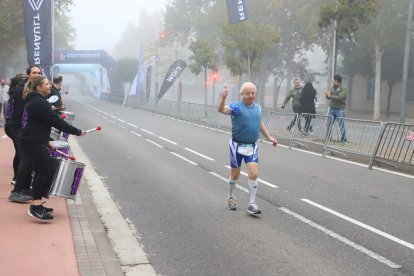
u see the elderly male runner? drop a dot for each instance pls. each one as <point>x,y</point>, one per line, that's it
<point>246,124</point>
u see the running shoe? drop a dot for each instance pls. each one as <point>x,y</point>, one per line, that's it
<point>231,203</point>
<point>49,210</point>
<point>39,212</point>
<point>19,197</point>
<point>253,209</point>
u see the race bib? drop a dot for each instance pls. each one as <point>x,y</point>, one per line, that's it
<point>245,149</point>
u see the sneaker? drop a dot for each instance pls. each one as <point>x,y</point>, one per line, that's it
<point>28,192</point>
<point>39,212</point>
<point>49,210</point>
<point>253,209</point>
<point>13,182</point>
<point>19,197</point>
<point>231,203</point>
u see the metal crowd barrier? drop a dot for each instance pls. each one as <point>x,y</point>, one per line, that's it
<point>360,136</point>
<point>395,146</point>
<point>318,133</point>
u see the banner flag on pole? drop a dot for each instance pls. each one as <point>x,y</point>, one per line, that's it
<point>148,81</point>
<point>237,11</point>
<point>139,75</point>
<point>38,22</point>
<point>172,75</point>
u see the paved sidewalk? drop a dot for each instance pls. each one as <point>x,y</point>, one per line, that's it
<point>74,243</point>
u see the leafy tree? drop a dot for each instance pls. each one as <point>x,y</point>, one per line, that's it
<point>12,29</point>
<point>297,24</point>
<point>246,42</point>
<point>185,20</point>
<point>204,57</point>
<point>348,16</point>
<point>385,32</point>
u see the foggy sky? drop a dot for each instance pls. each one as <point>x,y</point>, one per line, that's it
<point>100,23</point>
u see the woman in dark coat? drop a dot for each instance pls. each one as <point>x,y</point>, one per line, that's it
<point>307,105</point>
<point>37,122</point>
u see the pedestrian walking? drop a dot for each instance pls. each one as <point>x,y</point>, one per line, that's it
<point>307,106</point>
<point>294,94</point>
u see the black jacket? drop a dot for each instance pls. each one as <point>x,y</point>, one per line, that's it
<point>15,107</point>
<point>55,92</point>
<point>307,101</point>
<point>38,120</point>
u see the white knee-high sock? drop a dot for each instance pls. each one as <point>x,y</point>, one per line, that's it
<point>252,190</point>
<point>232,187</point>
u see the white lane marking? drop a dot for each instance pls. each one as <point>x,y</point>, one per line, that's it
<point>183,158</point>
<point>227,180</point>
<point>137,134</point>
<point>132,125</point>
<point>152,142</point>
<point>342,239</point>
<point>106,113</point>
<point>105,117</point>
<point>112,116</point>
<point>326,231</point>
<point>149,132</point>
<point>169,141</point>
<point>122,126</point>
<point>363,225</point>
<point>258,179</point>
<point>121,120</point>
<point>199,154</point>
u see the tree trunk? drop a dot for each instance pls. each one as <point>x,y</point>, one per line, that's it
<point>390,86</point>
<point>377,100</point>
<point>349,96</point>
<point>275,89</point>
<point>205,91</point>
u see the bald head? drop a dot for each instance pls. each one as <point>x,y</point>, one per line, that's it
<point>248,93</point>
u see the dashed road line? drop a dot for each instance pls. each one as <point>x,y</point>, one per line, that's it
<point>132,125</point>
<point>147,131</point>
<point>137,134</point>
<point>363,225</point>
<point>169,141</point>
<point>199,154</point>
<point>227,180</point>
<point>342,239</point>
<point>183,158</point>
<point>154,143</point>
<point>258,179</point>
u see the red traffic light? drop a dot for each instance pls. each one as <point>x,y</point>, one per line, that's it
<point>215,76</point>
<point>162,35</point>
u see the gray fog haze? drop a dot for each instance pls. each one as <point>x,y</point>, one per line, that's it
<point>100,23</point>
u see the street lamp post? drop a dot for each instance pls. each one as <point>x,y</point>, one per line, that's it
<point>406,61</point>
<point>156,70</point>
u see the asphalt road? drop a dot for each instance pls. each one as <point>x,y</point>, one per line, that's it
<point>320,216</point>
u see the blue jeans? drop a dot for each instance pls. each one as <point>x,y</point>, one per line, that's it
<point>337,113</point>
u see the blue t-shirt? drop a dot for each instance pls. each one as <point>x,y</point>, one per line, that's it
<point>245,122</point>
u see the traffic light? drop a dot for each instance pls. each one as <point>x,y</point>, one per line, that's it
<point>215,76</point>
<point>162,39</point>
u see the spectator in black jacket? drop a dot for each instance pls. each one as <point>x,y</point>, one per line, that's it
<point>307,105</point>
<point>21,191</point>
<point>37,122</point>
<point>57,106</point>
<point>14,84</point>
